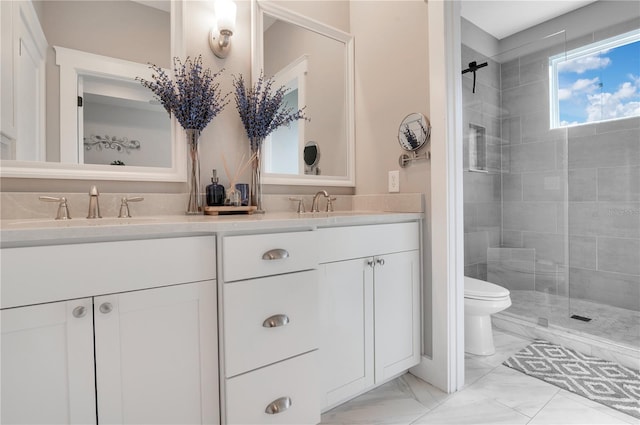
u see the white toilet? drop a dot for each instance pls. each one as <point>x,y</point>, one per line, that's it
<point>481,300</point>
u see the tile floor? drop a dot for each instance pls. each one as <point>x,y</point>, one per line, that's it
<point>493,394</point>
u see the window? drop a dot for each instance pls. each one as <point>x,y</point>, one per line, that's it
<point>597,82</point>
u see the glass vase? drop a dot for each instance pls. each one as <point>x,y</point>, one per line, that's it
<point>194,205</point>
<point>256,179</point>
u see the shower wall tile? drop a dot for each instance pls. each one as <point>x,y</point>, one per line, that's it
<point>511,239</point>
<point>549,248</point>
<point>620,148</point>
<point>470,221</point>
<point>533,157</point>
<point>511,130</point>
<point>512,187</point>
<point>525,99</point>
<point>609,219</point>
<point>546,186</point>
<point>615,289</point>
<point>619,184</point>
<point>583,184</point>
<point>534,67</point>
<point>535,128</point>
<point>581,131</point>
<point>529,216</point>
<point>546,278</point>
<point>621,28</point>
<point>475,247</point>
<point>616,125</point>
<point>583,252</point>
<point>489,214</point>
<point>513,275</point>
<point>619,255</point>
<point>481,187</point>
<point>510,74</point>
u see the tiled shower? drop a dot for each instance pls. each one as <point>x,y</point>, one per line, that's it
<point>552,215</point>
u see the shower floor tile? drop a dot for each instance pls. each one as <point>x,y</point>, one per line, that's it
<point>618,325</point>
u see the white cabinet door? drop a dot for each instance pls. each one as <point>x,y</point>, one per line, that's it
<point>156,355</point>
<point>397,313</point>
<point>47,363</point>
<point>346,329</point>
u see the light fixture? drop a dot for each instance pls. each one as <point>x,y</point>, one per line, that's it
<point>225,25</point>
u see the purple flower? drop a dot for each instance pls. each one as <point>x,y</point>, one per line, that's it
<point>193,96</point>
<point>262,110</point>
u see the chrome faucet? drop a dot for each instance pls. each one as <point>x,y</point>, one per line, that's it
<point>63,206</point>
<point>314,205</point>
<point>124,206</point>
<point>94,206</point>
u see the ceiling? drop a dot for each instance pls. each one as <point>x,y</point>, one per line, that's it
<point>502,18</point>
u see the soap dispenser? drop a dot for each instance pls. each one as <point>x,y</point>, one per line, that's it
<point>215,192</point>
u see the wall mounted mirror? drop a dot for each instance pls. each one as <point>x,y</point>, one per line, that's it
<point>315,62</point>
<point>89,118</point>
<point>414,132</point>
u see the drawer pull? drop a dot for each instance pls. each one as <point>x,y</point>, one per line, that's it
<point>275,321</point>
<point>276,254</point>
<point>278,406</point>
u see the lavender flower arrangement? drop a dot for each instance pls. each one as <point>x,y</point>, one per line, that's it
<point>193,96</point>
<point>262,110</point>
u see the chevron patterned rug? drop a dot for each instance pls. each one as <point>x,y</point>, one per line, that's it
<point>599,380</point>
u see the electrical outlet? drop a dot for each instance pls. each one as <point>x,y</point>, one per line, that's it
<point>394,181</point>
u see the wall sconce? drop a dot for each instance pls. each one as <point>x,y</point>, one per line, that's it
<point>225,25</point>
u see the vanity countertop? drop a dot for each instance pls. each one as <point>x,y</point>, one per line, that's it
<point>31,232</point>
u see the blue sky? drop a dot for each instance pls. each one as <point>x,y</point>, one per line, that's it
<point>601,86</point>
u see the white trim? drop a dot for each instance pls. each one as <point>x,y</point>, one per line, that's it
<point>258,8</point>
<point>445,367</point>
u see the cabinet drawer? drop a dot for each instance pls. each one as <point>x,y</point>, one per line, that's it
<point>40,274</point>
<point>249,395</point>
<point>248,256</point>
<point>249,342</point>
<point>344,243</point>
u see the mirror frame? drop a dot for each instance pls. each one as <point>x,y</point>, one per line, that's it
<point>258,9</point>
<point>59,170</point>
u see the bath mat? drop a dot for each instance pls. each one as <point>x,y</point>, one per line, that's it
<point>599,380</point>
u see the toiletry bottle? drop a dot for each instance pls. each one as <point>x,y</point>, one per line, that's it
<point>215,192</point>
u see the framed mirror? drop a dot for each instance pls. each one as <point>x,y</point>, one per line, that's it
<point>315,62</point>
<point>90,118</point>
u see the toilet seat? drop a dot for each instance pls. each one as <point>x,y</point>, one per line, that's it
<point>480,290</point>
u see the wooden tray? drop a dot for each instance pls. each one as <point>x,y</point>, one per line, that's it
<point>229,210</point>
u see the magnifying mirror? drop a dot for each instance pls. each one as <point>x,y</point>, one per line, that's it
<point>414,132</point>
<point>311,158</point>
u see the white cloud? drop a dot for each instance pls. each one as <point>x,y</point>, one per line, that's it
<point>584,64</point>
<point>625,102</point>
<point>582,85</point>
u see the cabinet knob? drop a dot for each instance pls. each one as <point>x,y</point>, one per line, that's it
<point>79,311</point>
<point>275,254</point>
<point>380,261</point>
<point>370,263</point>
<point>275,321</point>
<point>278,406</point>
<point>106,308</point>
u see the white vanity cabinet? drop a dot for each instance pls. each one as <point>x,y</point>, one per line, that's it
<point>269,328</point>
<point>143,355</point>
<point>369,307</point>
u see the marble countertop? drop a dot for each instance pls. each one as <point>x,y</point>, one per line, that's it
<point>32,232</point>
